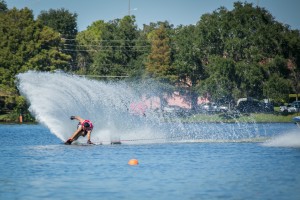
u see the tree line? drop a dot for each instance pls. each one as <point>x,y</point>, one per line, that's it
<point>226,55</point>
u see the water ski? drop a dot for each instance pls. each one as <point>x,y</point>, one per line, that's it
<point>86,144</point>
<point>68,142</point>
<point>81,144</point>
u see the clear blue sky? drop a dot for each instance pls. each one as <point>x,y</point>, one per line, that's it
<point>177,12</point>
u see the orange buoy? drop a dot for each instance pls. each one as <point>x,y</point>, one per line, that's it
<point>133,162</point>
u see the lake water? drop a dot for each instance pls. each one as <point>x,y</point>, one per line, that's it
<point>35,164</point>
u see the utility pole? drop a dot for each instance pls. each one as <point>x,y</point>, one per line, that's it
<point>129,7</point>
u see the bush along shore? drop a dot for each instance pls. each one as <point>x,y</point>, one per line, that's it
<point>16,118</point>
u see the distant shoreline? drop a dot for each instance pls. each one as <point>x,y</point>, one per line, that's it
<point>207,118</point>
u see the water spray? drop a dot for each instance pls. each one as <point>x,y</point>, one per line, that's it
<point>120,111</point>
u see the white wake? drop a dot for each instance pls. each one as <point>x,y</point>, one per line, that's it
<point>54,97</point>
<point>291,139</point>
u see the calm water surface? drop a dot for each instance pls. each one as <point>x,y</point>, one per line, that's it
<point>35,164</point>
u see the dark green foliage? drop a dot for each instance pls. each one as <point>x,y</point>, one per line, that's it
<point>228,55</point>
<point>3,6</point>
<point>111,48</point>
<point>25,44</point>
<point>65,23</point>
<point>258,45</point>
<point>60,20</point>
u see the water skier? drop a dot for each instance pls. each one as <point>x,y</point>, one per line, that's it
<point>84,128</point>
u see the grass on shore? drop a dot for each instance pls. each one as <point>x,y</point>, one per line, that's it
<point>251,118</point>
<point>7,118</point>
<point>4,117</point>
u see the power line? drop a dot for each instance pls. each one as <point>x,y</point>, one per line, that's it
<point>103,50</point>
<point>80,45</point>
<point>104,64</point>
<point>99,76</point>
<point>119,40</point>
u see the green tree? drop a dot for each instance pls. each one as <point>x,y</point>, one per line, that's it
<point>159,64</point>
<point>295,81</point>
<point>253,34</point>
<point>142,48</point>
<point>187,63</point>
<point>221,82</point>
<point>88,44</point>
<point>116,48</point>
<point>252,39</point>
<point>65,23</point>
<point>125,49</point>
<point>276,88</point>
<point>3,6</point>
<point>212,30</point>
<point>26,44</point>
<point>277,65</point>
<point>61,20</point>
<point>103,61</point>
<point>292,46</point>
<point>250,78</point>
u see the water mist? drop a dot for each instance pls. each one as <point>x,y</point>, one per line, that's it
<point>54,97</point>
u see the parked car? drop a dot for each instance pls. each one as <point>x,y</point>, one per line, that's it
<point>249,105</point>
<point>286,108</point>
<point>213,107</point>
<point>167,109</point>
<point>296,104</point>
<point>210,107</point>
<point>267,107</point>
<point>223,108</point>
<point>295,107</point>
<point>176,110</point>
<point>291,108</point>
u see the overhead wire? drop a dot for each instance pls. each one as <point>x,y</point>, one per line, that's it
<point>119,40</point>
<point>102,50</point>
<point>80,45</point>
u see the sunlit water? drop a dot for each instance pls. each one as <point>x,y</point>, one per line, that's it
<point>176,160</point>
<point>35,164</point>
